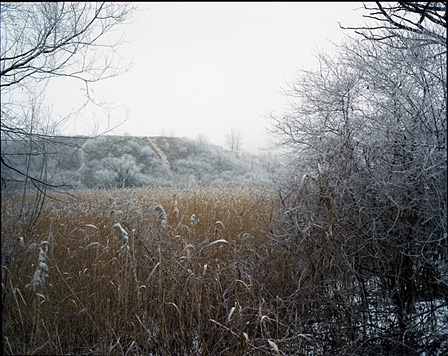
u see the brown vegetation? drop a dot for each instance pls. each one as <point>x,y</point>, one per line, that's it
<point>215,271</point>
<point>212,286</point>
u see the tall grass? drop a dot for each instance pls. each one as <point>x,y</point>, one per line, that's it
<point>196,272</point>
<point>130,272</point>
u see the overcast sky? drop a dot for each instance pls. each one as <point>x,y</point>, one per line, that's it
<point>204,68</point>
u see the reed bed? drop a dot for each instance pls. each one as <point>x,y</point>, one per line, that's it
<point>148,272</point>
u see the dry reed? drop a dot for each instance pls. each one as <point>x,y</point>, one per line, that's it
<point>201,279</point>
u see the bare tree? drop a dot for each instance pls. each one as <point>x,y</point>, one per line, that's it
<point>41,41</point>
<point>426,19</point>
<point>44,40</point>
<point>365,202</point>
<point>234,140</point>
<point>122,171</point>
<point>203,140</point>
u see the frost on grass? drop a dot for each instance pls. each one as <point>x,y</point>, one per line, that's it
<point>40,274</point>
<point>161,214</point>
<point>176,209</point>
<point>124,235</point>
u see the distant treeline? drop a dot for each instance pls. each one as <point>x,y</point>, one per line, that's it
<point>126,161</point>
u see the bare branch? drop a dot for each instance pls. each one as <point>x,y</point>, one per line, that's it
<point>425,19</point>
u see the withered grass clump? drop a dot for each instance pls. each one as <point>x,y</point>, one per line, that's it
<point>127,274</point>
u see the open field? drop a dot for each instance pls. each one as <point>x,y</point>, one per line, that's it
<point>144,272</point>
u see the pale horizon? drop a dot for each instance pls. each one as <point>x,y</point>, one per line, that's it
<point>206,68</point>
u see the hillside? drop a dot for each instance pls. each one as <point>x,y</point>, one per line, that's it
<point>130,161</point>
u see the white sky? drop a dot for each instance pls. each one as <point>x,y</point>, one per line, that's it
<point>205,68</point>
